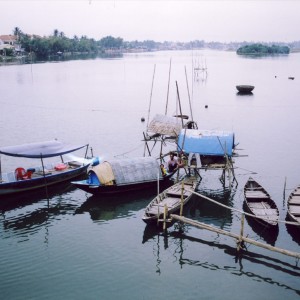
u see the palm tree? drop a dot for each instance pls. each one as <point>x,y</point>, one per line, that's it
<point>55,32</point>
<point>17,32</point>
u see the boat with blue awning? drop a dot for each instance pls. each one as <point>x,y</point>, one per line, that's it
<point>21,179</point>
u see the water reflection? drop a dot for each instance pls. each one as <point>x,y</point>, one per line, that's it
<point>209,212</point>
<point>112,207</point>
<point>29,215</point>
<point>294,232</point>
<point>179,244</point>
<point>20,200</point>
<point>244,94</point>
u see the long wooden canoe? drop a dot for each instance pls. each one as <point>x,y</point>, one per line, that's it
<point>172,197</point>
<point>294,205</point>
<point>259,203</point>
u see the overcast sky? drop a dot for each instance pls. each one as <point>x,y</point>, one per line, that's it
<point>209,20</point>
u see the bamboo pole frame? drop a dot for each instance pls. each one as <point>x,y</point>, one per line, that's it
<point>235,236</point>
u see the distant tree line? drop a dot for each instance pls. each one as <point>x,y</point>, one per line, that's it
<point>260,49</point>
<point>59,43</point>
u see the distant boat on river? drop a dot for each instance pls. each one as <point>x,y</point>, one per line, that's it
<point>245,89</point>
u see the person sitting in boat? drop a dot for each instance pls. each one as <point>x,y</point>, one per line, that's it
<point>172,163</point>
<point>182,160</point>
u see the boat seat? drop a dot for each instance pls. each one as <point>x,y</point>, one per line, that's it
<point>265,212</point>
<point>294,200</point>
<point>177,195</point>
<point>255,194</point>
<point>259,205</point>
<point>21,174</point>
<point>294,209</point>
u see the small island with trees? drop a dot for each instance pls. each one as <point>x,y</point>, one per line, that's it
<point>260,49</point>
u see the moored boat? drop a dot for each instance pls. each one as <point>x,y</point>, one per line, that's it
<point>173,197</point>
<point>259,203</point>
<point>245,89</point>
<point>293,204</point>
<point>23,180</point>
<point>123,175</point>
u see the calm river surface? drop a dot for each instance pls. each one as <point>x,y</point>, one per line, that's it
<point>80,247</point>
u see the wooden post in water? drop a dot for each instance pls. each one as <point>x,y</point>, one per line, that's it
<point>240,241</point>
<point>165,216</point>
<point>181,205</point>
<point>284,188</point>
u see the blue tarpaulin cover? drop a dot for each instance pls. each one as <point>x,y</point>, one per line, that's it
<point>206,142</point>
<point>42,149</point>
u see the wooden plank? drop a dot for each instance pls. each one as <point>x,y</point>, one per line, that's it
<point>258,205</point>
<point>294,200</point>
<point>294,209</point>
<point>265,212</point>
<point>257,194</point>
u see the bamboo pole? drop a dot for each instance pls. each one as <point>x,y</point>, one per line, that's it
<point>179,103</point>
<point>168,87</point>
<point>187,85</point>
<point>181,203</point>
<point>150,104</point>
<point>235,236</point>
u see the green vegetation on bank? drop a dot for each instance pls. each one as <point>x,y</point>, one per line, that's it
<point>58,44</point>
<point>260,49</point>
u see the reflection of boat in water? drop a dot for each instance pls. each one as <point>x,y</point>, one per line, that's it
<point>19,200</point>
<point>294,232</point>
<point>245,89</point>
<point>210,212</point>
<point>115,206</point>
<point>32,179</point>
<point>37,211</point>
<point>123,175</point>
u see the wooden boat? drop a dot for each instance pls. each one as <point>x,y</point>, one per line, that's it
<point>293,204</point>
<point>259,203</point>
<point>172,197</point>
<point>244,89</point>
<point>23,180</point>
<point>123,175</point>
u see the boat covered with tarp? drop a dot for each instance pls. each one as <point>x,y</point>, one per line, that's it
<point>123,175</point>
<point>211,146</point>
<point>22,179</point>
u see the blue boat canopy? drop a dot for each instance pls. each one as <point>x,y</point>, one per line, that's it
<point>206,142</point>
<point>40,150</point>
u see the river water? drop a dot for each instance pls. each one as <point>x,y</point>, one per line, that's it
<point>75,246</point>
